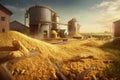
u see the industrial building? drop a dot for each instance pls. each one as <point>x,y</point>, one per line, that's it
<point>17,26</point>
<point>117,28</point>
<point>42,20</point>
<point>73,27</point>
<point>45,22</point>
<point>4,18</point>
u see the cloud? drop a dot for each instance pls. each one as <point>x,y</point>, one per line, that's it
<point>104,4</point>
<point>15,9</point>
<point>110,12</point>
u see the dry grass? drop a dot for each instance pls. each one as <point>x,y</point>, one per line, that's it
<point>112,72</point>
<point>115,43</point>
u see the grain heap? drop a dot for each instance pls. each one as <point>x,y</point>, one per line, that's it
<point>43,61</point>
<point>39,66</point>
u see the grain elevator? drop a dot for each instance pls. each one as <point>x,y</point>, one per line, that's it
<point>45,22</point>
<point>41,20</point>
<point>73,27</point>
<point>116,28</point>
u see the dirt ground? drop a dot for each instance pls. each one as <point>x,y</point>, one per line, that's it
<point>77,60</point>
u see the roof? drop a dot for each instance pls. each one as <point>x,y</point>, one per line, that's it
<point>38,6</point>
<point>118,21</point>
<point>73,20</point>
<point>19,23</point>
<point>7,10</point>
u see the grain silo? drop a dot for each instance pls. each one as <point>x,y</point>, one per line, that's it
<point>56,20</point>
<point>117,28</point>
<point>40,19</point>
<point>72,27</point>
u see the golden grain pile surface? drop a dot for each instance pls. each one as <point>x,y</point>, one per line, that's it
<point>70,58</point>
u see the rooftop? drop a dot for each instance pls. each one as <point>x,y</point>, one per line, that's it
<point>118,21</point>
<point>41,7</point>
<point>7,10</point>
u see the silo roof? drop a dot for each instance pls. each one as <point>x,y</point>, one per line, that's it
<point>42,7</point>
<point>118,21</point>
<point>73,20</point>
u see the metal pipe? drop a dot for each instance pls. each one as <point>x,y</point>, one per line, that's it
<point>53,22</point>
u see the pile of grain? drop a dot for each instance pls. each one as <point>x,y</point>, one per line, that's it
<point>34,67</point>
<point>71,58</point>
<point>45,49</point>
<point>85,54</point>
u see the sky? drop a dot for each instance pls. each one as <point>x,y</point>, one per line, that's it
<point>92,15</point>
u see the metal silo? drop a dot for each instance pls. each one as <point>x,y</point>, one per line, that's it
<point>40,19</point>
<point>37,16</point>
<point>56,20</point>
<point>72,27</point>
<point>117,28</point>
<point>39,13</point>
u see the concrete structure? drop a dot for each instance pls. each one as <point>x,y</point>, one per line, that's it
<point>73,27</point>
<point>17,26</point>
<point>116,28</point>
<point>4,18</point>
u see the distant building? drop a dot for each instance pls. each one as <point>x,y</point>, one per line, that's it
<point>4,18</point>
<point>73,27</point>
<point>55,19</point>
<point>17,26</point>
<point>117,28</point>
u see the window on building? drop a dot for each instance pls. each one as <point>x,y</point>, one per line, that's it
<point>3,30</point>
<point>2,18</point>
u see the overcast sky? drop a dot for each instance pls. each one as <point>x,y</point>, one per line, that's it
<point>92,15</point>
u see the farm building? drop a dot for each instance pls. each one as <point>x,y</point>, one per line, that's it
<point>4,18</point>
<point>117,28</point>
<point>45,22</point>
<point>73,27</point>
<point>17,26</point>
<point>42,20</point>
